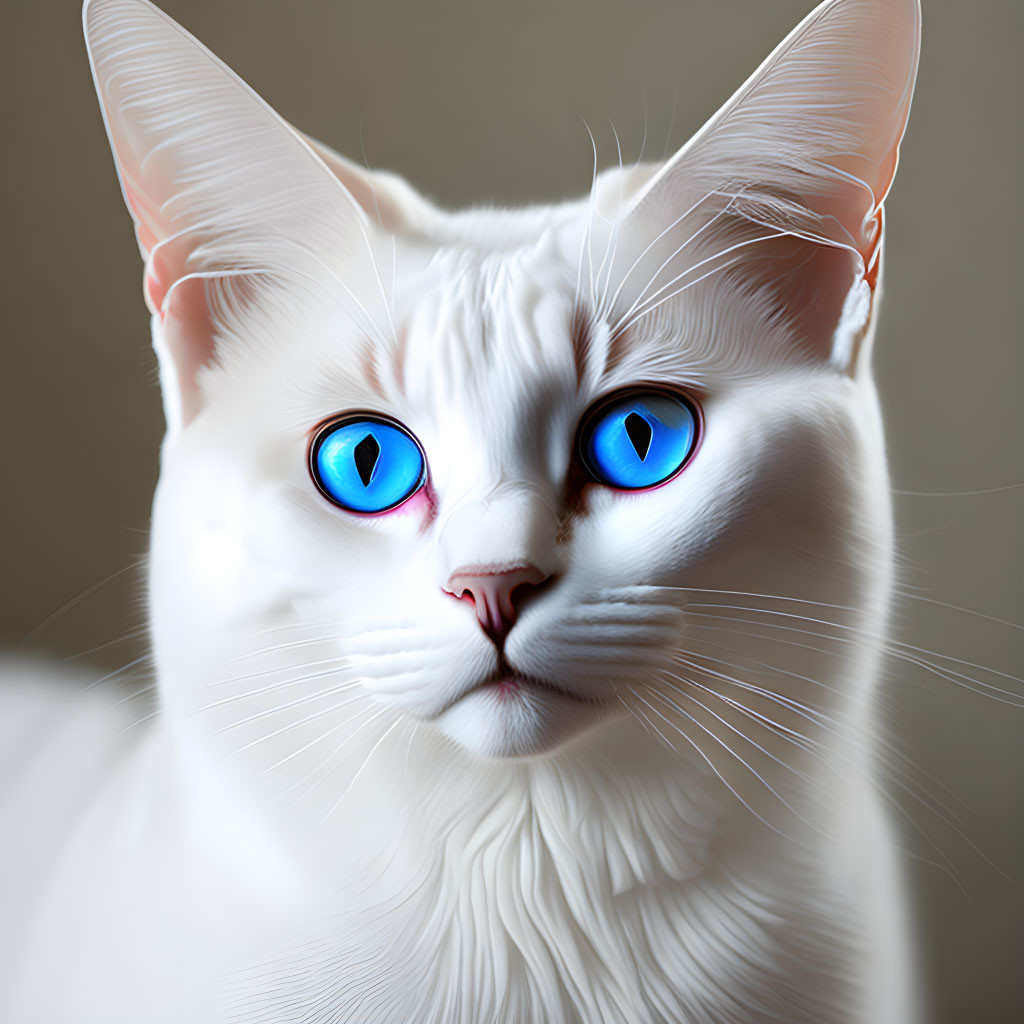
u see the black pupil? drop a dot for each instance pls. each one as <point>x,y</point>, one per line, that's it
<point>640,433</point>
<point>366,454</point>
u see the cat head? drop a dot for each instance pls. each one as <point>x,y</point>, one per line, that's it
<point>508,478</point>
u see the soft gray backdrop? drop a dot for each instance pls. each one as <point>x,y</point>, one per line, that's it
<point>483,101</point>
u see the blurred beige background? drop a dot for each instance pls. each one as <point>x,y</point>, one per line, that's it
<point>482,101</point>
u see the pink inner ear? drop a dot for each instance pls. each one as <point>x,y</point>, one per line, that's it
<point>807,284</point>
<point>147,239</point>
<point>167,263</point>
<point>154,293</point>
<point>187,335</point>
<point>872,263</point>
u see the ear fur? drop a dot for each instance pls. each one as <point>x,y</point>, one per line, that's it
<point>783,187</point>
<point>227,199</point>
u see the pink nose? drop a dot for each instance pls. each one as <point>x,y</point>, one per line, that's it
<point>494,592</point>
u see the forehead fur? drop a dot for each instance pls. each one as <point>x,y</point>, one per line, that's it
<point>517,317</point>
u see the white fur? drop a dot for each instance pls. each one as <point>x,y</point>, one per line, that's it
<point>327,821</point>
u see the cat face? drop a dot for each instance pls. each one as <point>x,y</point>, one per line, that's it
<point>512,587</point>
<point>487,379</point>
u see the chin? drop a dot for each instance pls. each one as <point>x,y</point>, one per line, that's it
<point>509,720</point>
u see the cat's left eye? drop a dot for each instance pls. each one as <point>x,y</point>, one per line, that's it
<point>638,438</point>
<point>366,463</point>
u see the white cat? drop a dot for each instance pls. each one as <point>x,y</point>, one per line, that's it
<point>482,559</point>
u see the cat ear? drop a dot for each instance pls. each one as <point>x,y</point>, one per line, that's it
<point>228,200</point>
<point>783,187</point>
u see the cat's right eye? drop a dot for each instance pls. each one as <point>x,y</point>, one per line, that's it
<point>366,463</point>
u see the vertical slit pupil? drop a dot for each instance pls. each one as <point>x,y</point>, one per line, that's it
<point>366,453</point>
<point>640,433</point>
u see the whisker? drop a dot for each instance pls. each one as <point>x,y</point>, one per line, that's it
<point>814,715</point>
<point>339,660</point>
<point>281,684</point>
<point>387,732</point>
<point>119,671</point>
<point>793,736</point>
<point>298,723</point>
<point>59,613</point>
<point>293,626</point>
<point>747,712</point>
<point>131,634</point>
<point>637,711</point>
<point>305,699</point>
<point>903,591</point>
<point>643,723</point>
<point>718,739</point>
<point>894,648</point>
<point>693,743</point>
<point>142,691</point>
<point>896,759</point>
<point>956,494</point>
<point>318,739</point>
<point>766,597</point>
<point>290,645</point>
<point>344,746</point>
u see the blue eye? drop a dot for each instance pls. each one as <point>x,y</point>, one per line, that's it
<point>366,463</point>
<point>637,439</point>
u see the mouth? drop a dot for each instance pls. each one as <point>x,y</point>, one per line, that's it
<point>507,684</point>
<point>511,714</point>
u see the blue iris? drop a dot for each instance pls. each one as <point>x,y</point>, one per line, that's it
<point>638,438</point>
<point>367,465</point>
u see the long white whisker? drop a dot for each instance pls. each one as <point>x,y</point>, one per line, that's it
<point>387,732</point>
<point>297,702</point>
<point>119,671</point>
<point>298,723</point>
<point>747,712</point>
<point>338,662</point>
<point>290,645</point>
<point>812,714</point>
<point>718,739</point>
<point>130,634</point>
<point>645,725</point>
<point>693,743</point>
<point>894,648</point>
<point>68,606</point>
<point>904,593</point>
<point>893,758</point>
<point>322,770</point>
<point>322,736</point>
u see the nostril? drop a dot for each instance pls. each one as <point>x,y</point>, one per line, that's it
<point>522,590</point>
<point>495,593</point>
